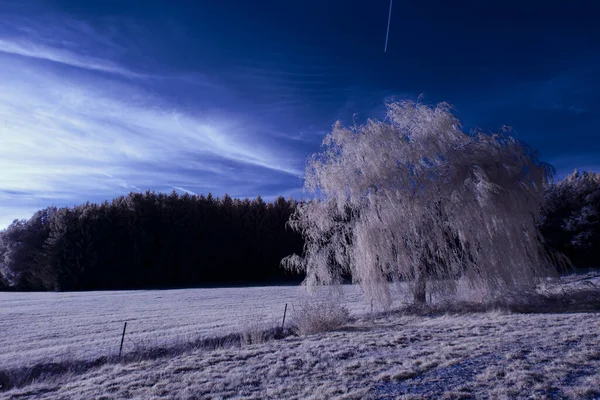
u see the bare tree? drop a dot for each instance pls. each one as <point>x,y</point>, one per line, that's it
<point>415,199</point>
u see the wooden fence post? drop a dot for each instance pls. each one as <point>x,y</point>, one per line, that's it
<point>284,313</point>
<point>122,339</point>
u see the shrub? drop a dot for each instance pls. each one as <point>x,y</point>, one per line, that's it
<point>319,316</point>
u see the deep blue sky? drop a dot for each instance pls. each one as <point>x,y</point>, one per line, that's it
<point>100,98</point>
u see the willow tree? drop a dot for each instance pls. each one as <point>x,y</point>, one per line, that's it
<point>415,199</point>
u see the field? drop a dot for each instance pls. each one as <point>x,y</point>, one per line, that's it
<point>491,354</point>
<point>52,327</point>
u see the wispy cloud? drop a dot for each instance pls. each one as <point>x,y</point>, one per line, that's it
<point>184,190</point>
<point>67,139</point>
<point>28,49</point>
<point>94,108</point>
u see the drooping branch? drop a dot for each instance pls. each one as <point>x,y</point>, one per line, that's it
<point>427,201</point>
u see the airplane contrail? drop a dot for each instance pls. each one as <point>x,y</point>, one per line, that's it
<point>387,35</point>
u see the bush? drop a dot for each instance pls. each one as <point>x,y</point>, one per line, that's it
<point>319,316</point>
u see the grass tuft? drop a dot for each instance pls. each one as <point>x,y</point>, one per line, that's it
<point>319,316</point>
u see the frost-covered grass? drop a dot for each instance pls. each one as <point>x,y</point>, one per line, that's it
<point>55,327</point>
<point>486,355</point>
<point>492,354</point>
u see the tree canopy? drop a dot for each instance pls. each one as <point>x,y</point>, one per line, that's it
<point>414,198</point>
<point>571,218</point>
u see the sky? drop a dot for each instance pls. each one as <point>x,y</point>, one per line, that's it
<point>101,98</point>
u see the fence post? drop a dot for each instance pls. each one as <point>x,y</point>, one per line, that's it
<point>122,339</point>
<point>284,313</point>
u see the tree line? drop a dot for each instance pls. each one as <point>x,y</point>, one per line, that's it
<point>158,240</point>
<point>571,218</point>
<point>150,240</point>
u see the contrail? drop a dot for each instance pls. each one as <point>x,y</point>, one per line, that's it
<point>387,35</point>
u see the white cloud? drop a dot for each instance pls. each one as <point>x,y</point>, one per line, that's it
<point>180,189</point>
<point>25,48</point>
<point>71,138</point>
<point>81,119</point>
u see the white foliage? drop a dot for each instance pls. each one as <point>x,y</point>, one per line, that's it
<point>414,198</point>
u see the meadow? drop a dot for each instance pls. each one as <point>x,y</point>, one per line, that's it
<point>53,327</point>
<point>485,353</point>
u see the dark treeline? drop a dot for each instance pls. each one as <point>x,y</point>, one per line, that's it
<point>150,240</point>
<point>571,218</point>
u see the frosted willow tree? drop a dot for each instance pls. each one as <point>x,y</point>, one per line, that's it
<point>417,200</point>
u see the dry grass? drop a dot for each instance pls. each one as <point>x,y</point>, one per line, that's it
<point>257,329</point>
<point>485,355</point>
<point>44,328</point>
<point>441,352</point>
<point>584,300</point>
<point>319,316</point>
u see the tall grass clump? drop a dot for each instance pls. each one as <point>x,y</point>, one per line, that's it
<point>319,316</point>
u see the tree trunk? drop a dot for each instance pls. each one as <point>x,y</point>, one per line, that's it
<point>420,292</point>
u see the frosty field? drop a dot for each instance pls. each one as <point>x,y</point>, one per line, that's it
<point>491,354</point>
<point>478,356</point>
<point>52,327</point>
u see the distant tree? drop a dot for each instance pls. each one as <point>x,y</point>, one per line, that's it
<point>571,218</point>
<point>22,259</point>
<point>3,283</point>
<point>61,248</point>
<point>416,199</point>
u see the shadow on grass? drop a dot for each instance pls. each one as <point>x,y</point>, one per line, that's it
<point>524,302</point>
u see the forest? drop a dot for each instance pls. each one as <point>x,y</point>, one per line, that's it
<point>150,240</point>
<point>157,240</point>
